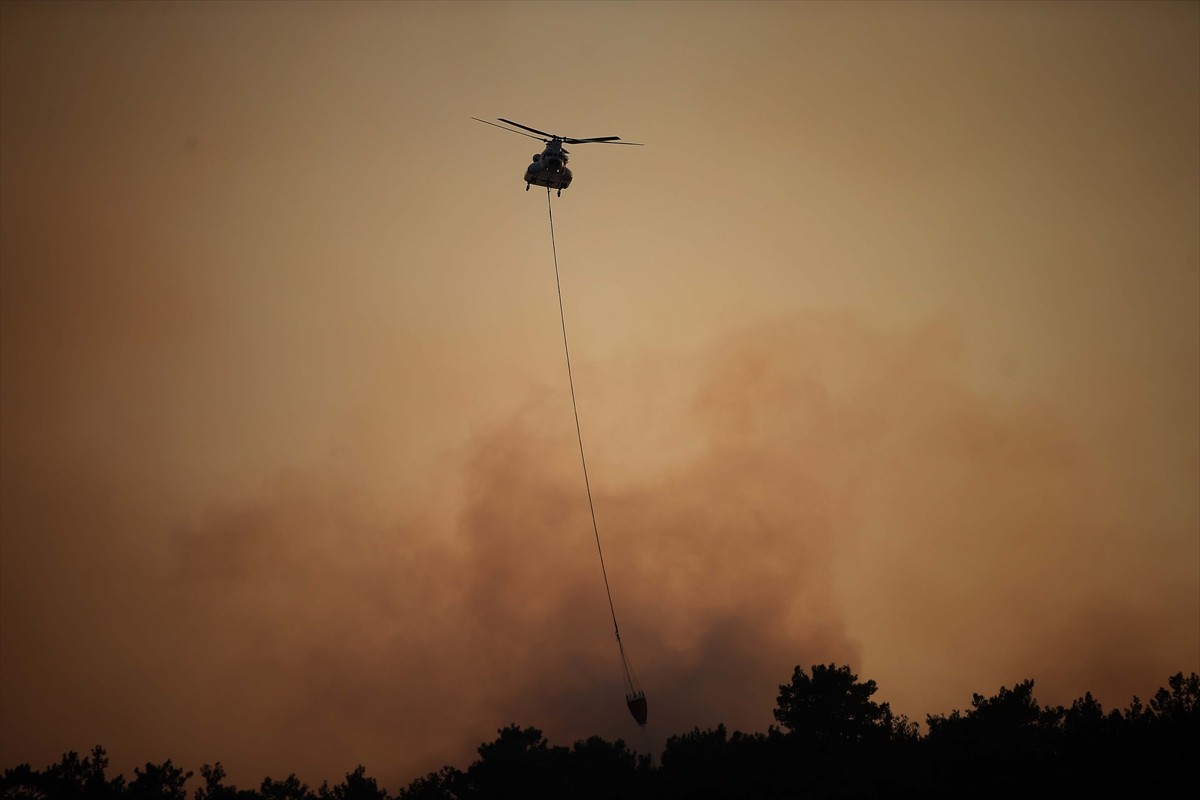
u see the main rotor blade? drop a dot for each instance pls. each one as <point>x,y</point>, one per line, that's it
<point>510,130</point>
<point>526,127</point>
<point>602,140</point>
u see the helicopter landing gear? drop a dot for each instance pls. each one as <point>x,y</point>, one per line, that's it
<point>527,187</point>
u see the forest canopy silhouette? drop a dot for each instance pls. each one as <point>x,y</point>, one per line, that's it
<point>833,740</point>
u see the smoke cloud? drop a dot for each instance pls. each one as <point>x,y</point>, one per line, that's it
<point>825,491</point>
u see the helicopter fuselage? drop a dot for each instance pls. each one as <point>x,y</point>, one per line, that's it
<point>549,167</point>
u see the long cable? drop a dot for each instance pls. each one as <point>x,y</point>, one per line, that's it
<point>582,458</point>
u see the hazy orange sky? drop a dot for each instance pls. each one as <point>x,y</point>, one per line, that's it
<point>887,348</point>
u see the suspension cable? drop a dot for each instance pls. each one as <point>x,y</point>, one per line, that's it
<point>582,458</point>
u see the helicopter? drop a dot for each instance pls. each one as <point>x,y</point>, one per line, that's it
<point>549,167</point>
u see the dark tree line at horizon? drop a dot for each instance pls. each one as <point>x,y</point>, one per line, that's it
<point>832,741</point>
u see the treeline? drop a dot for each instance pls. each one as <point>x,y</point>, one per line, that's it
<point>832,741</point>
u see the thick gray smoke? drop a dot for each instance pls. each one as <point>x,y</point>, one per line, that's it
<point>825,492</point>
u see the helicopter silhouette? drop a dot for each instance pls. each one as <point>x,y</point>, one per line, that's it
<point>549,167</point>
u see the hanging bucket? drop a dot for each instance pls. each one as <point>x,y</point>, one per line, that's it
<point>637,706</point>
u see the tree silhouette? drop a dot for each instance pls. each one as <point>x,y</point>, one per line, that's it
<point>72,778</point>
<point>714,764</point>
<point>1008,737</point>
<point>832,706</point>
<point>215,789</point>
<point>357,786</point>
<point>695,764</point>
<point>290,788</point>
<point>598,769</point>
<point>1180,705</point>
<point>838,743</point>
<point>162,781</point>
<point>1170,737</point>
<point>519,757</point>
<point>434,786</point>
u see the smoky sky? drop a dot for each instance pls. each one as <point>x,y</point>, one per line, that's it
<point>846,497</point>
<point>886,349</point>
